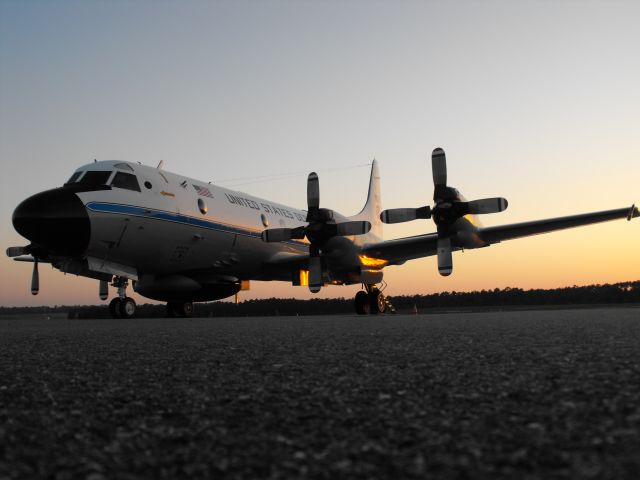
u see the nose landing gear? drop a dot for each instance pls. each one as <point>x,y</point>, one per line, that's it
<point>122,306</point>
<point>372,301</point>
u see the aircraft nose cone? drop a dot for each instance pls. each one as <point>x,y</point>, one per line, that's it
<point>55,220</point>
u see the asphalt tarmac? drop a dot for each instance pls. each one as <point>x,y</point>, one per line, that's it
<point>529,394</point>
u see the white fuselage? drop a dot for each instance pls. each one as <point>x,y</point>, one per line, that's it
<point>179,224</point>
<point>163,228</point>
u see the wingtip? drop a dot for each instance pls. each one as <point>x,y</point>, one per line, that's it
<point>633,212</point>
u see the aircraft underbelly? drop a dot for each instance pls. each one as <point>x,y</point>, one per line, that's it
<point>160,247</point>
<point>156,246</point>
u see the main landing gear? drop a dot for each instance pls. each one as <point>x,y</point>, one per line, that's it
<point>179,309</point>
<point>372,301</point>
<point>122,306</point>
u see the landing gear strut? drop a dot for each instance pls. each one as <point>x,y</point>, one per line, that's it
<point>179,309</point>
<point>122,306</point>
<point>371,301</point>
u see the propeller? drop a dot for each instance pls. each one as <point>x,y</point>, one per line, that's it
<point>18,253</point>
<point>35,279</point>
<point>321,227</point>
<point>103,290</point>
<point>448,208</point>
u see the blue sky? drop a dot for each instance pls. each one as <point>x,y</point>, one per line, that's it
<point>535,101</point>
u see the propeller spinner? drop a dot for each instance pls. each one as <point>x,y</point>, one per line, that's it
<point>321,227</point>
<point>447,210</point>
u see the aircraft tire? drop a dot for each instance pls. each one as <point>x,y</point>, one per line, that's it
<point>114,310</point>
<point>378,305</point>
<point>127,308</point>
<point>186,309</point>
<point>179,309</point>
<point>363,303</point>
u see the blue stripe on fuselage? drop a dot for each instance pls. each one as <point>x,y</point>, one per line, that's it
<point>119,209</point>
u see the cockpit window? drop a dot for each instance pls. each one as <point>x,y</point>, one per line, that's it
<point>95,178</point>
<point>74,177</point>
<point>126,180</point>
<point>124,166</point>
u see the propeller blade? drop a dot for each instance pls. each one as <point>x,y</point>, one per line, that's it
<point>439,167</point>
<point>488,205</point>
<point>400,215</point>
<point>16,251</point>
<point>277,235</point>
<point>315,274</point>
<point>353,228</point>
<point>445,260</point>
<point>103,290</point>
<point>35,279</point>
<point>313,191</point>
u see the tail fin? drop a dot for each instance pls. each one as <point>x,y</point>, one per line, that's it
<point>373,207</point>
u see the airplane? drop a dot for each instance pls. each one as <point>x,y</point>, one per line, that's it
<point>180,240</point>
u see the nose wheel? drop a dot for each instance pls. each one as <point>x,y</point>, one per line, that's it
<point>121,306</point>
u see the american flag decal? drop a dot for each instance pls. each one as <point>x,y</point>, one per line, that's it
<point>203,191</point>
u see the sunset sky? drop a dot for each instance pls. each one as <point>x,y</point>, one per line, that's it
<point>538,102</point>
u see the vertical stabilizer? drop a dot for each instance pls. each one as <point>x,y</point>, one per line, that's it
<point>373,207</point>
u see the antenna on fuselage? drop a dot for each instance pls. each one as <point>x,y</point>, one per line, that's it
<point>160,165</point>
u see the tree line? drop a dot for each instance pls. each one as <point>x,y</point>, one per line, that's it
<point>607,294</point>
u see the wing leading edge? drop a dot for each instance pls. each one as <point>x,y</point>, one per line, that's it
<point>399,251</point>
<point>536,227</point>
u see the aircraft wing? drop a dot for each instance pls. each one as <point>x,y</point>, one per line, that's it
<point>399,251</point>
<point>396,252</point>
<point>536,227</point>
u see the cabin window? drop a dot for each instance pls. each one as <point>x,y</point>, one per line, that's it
<point>124,166</point>
<point>95,178</point>
<point>147,185</point>
<point>74,177</point>
<point>127,181</point>
<point>265,220</point>
<point>202,206</point>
